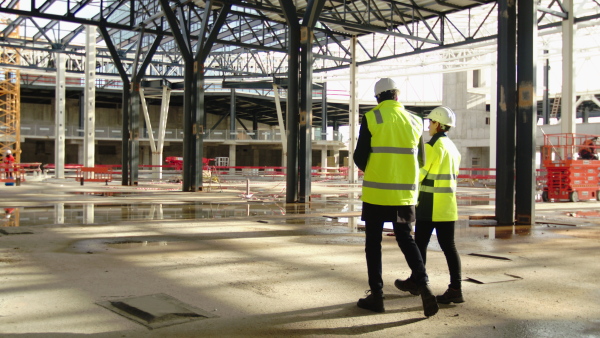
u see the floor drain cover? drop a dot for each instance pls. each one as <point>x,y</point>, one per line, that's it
<point>155,311</point>
<point>15,232</point>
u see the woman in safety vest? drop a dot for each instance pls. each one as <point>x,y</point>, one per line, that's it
<point>437,207</point>
<point>387,152</point>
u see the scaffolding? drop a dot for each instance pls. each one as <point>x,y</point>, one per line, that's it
<point>10,101</point>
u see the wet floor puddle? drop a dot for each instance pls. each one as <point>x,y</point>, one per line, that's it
<point>301,214</point>
<point>584,214</point>
<point>103,213</point>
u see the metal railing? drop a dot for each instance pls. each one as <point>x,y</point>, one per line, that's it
<point>28,130</point>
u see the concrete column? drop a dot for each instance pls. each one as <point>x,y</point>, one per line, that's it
<point>60,116</point>
<point>336,158</point>
<point>281,125</point>
<point>324,160</point>
<point>157,155</point>
<point>354,122</point>
<point>567,114</point>
<point>88,213</point>
<point>232,158</point>
<point>89,125</point>
<point>59,212</point>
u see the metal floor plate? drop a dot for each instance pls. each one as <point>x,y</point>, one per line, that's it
<point>155,311</point>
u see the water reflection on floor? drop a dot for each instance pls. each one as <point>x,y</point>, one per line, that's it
<point>102,213</point>
<point>347,207</point>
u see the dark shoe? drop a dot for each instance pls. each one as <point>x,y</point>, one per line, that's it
<point>407,285</point>
<point>451,296</point>
<point>430,305</point>
<point>373,302</point>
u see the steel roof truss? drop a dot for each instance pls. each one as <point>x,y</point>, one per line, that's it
<point>561,14</point>
<point>52,24</point>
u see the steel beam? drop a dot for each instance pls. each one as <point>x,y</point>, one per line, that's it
<point>289,11</point>
<point>324,112</point>
<point>305,132</point>
<point>505,155</point>
<point>527,113</point>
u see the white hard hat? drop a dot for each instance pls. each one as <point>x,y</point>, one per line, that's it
<point>8,152</point>
<point>443,115</point>
<point>385,84</point>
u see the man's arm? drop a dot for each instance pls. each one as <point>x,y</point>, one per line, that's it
<point>363,146</point>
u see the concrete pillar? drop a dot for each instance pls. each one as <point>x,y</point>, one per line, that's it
<point>354,122</point>
<point>89,125</point>
<point>567,114</point>
<point>336,158</point>
<point>60,116</point>
<point>88,213</point>
<point>59,212</point>
<point>232,158</point>
<point>157,154</point>
<point>324,160</point>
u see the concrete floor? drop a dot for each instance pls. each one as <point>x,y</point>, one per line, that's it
<point>259,267</point>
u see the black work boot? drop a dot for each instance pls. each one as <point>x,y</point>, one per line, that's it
<point>451,296</point>
<point>407,285</point>
<point>373,302</point>
<point>430,305</point>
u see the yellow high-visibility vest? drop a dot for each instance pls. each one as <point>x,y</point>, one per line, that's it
<point>437,197</point>
<point>392,171</point>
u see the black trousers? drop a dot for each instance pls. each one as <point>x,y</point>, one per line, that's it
<point>374,230</point>
<point>445,237</point>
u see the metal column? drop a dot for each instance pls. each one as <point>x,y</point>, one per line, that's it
<point>197,146</point>
<point>305,132</point>
<point>505,155</point>
<point>527,113</point>
<point>134,130</point>
<point>291,192</point>
<point>546,100</point>
<point>60,115</point>
<point>232,115</point>
<point>324,112</point>
<point>125,132</point>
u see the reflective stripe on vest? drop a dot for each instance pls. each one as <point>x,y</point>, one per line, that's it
<point>390,186</point>
<point>439,177</point>
<point>378,116</point>
<point>393,150</point>
<point>437,190</point>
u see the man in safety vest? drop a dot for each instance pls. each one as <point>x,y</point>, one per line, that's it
<point>387,152</point>
<point>9,163</point>
<point>437,208</point>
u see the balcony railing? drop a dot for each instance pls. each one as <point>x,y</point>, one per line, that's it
<point>265,135</point>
